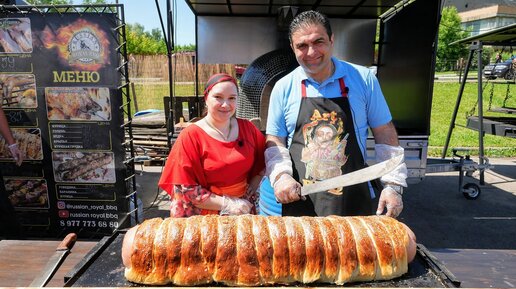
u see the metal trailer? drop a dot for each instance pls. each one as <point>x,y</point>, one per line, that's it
<point>398,39</point>
<point>501,126</point>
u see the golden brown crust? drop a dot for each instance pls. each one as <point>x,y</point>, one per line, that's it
<point>142,257</point>
<point>296,246</point>
<point>400,242</point>
<point>247,260</point>
<point>226,268</point>
<point>264,248</point>
<point>331,250</point>
<point>383,244</point>
<point>255,250</point>
<point>175,236</point>
<point>159,252</point>
<point>193,269</point>
<point>314,246</point>
<point>366,253</point>
<point>348,259</point>
<point>280,249</point>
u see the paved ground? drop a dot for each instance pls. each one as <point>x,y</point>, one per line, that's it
<point>434,208</point>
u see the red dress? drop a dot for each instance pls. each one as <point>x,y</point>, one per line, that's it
<point>197,159</point>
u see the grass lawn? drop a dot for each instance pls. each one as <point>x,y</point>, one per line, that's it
<point>445,95</point>
<point>443,104</point>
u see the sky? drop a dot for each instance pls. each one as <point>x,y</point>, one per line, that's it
<point>145,12</point>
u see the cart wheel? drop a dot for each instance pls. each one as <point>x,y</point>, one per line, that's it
<point>471,191</point>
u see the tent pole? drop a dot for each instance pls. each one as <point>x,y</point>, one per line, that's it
<point>480,115</point>
<point>457,104</point>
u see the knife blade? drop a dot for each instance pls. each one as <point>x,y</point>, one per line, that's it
<point>55,261</point>
<point>360,176</point>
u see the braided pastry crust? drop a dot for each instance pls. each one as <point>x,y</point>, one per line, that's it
<point>254,250</point>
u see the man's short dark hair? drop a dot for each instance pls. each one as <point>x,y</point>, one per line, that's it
<point>309,18</point>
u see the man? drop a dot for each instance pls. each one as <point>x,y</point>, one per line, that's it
<point>327,92</point>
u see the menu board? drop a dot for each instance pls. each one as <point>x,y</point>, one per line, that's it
<point>59,91</point>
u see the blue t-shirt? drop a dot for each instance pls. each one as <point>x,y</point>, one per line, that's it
<point>368,105</point>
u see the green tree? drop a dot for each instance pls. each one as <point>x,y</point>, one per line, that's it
<point>140,41</point>
<point>450,30</point>
<point>86,2</point>
<point>48,2</point>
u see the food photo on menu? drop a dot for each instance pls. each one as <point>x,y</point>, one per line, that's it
<point>29,143</point>
<point>83,167</point>
<point>15,35</point>
<point>18,91</point>
<point>78,103</point>
<point>27,193</point>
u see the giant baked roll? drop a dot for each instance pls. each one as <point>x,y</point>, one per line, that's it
<point>254,250</point>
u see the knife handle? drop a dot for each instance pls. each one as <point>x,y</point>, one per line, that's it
<point>67,242</point>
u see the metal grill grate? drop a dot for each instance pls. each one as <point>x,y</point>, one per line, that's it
<point>262,72</point>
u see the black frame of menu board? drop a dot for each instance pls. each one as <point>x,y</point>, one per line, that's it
<point>64,69</point>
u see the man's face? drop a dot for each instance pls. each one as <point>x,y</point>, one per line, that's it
<point>313,49</point>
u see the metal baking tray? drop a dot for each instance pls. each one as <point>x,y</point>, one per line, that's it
<point>102,267</point>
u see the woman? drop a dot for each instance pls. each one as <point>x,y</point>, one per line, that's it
<point>217,163</point>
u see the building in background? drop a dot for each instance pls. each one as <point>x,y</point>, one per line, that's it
<point>479,16</point>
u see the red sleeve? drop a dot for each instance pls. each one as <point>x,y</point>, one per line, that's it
<point>183,166</point>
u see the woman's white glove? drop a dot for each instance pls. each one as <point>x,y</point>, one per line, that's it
<point>390,200</point>
<point>286,189</point>
<point>235,206</point>
<point>16,153</point>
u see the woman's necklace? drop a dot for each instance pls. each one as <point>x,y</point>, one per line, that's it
<point>225,138</point>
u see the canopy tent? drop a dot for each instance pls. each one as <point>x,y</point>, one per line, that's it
<point>267,8</point>
<point>503,36</point>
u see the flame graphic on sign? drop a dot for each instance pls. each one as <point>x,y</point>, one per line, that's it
<point>63,38</point>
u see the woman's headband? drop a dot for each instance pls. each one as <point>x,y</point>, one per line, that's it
<point>218,78</point>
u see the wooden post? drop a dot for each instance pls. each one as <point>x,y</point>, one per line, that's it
<point>133,91</point>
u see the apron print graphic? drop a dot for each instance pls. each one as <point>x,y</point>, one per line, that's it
<point>325,146</point>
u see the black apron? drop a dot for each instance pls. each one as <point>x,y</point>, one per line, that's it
<point>325,146</point>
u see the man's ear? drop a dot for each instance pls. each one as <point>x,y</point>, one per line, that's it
<point>332,39</point>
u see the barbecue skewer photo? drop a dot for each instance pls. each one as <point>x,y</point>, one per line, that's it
<point>18,91</point>
<point>78,103</point>
<point>83,167</point>
<point>30,193</point>
<point>15,35</point>
<point>29,143</point>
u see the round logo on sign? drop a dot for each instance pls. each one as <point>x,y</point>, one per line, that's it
<point>84,47</point>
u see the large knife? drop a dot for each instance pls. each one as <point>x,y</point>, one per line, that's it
<point>55,261</point>
<point>363,175</point>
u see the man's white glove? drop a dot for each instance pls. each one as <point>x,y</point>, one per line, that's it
<point>399,175</point>
<point>277,160</point>
<point>16,153</point>
<point>390,200</point>
<point>235,206</point>
<point>286,189</point>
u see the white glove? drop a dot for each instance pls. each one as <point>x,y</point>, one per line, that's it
<point>235,206</point>
<point>287,190</point>
<point>16,153</point>
<point>390,200</point>
<point>277,160</point>
<point>399,174</point>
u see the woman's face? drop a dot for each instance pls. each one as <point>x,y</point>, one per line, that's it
<point>221,101</point>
